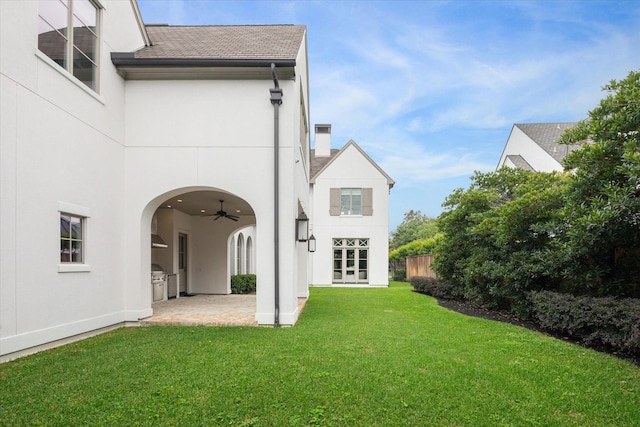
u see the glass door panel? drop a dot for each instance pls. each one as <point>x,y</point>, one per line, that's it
<point>351,265</point>
<point>337,265</point>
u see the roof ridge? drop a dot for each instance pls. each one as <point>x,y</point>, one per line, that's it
<point>544,123</point>
<point>220,25</point>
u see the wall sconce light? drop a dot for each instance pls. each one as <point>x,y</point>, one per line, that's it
<point>302,227</point>
<point>312,243</point>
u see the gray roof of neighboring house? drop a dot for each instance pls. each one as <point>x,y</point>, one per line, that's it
<point>519,162</point>
<point>547,135</point>
<point>267,42</point>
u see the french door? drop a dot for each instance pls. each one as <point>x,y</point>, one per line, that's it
<point>350,260</point>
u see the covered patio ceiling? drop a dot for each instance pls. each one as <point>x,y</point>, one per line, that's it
<point>207,202</point>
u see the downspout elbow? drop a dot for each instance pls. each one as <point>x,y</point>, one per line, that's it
<point>274,76</point>
<point>276,92</point>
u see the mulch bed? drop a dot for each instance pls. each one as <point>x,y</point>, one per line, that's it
<point>471,310</point>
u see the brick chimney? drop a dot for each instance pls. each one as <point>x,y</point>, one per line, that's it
<point>323,140</point>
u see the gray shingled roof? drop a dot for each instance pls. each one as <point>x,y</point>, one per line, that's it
<point>519,162</point>
<point>223,42</point>
<point>547,135</point>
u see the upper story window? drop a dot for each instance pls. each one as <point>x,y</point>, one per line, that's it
<point>351,202</point>
<point>68,33</point>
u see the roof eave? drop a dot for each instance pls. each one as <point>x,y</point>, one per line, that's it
<point>128,59</point>
<point>132,68</point>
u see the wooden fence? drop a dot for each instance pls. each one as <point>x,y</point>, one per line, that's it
<point>419,265</point>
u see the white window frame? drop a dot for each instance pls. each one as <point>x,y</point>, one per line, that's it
<point>80,212</point>
<point>67,70</point>
<point>350,193</point>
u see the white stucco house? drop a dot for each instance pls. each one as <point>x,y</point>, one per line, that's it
<point>128,149</point>
<point>349,195</point>
<point>535,147</point>
<point>113,131</point>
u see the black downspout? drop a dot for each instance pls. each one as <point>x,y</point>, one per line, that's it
<point>276,100</point>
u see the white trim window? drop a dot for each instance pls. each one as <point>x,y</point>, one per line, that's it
<point>351,201</point>
<point>68,33</point>
<point>350,260</point>
<point>72,244</point>
<point>73,238</point>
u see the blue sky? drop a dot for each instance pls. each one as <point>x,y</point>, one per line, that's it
<point>431,89</point>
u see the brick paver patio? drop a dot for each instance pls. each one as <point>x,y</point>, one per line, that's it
<point>209,310</point>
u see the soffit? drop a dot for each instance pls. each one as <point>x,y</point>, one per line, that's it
<point>203,73</point>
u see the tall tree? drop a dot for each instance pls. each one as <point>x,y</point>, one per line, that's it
<point>497,242</point>
<point>603,208</point>
<point>415,226</point>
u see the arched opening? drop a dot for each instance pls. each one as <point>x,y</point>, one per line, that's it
<point>192,244</point>
<point>240,255</point>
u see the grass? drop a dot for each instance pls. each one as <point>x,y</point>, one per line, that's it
<point>357,357</point>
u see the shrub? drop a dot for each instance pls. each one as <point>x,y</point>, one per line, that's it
<point>604,321</point>
<point>419,284</point>
<point>432,286</point>
<point>243,284</point>
<point>400,275</point>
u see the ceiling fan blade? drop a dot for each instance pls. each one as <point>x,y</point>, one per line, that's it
<point>218,217</point>
<point>232,218</point>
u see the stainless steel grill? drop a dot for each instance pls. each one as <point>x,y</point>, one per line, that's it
<point>158,282</point>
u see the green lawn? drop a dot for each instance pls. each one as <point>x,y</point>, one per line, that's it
<point>357,357</point>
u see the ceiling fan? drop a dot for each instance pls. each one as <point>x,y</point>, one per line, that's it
<point>222,214</point>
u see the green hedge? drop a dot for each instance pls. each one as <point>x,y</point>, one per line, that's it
<point>243,284</point>
<point>594,321</point>
<point>432,286</point>
<point>417,247</point>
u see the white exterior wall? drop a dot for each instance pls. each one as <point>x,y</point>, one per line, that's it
<point>218,135</point>
<point>351,170</point>
<point>520,144</point>
<point>118,155</point>
<point>60,143</point>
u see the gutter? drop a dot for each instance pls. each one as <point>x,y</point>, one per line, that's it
<point>276,101</point>
<point>128,59</point>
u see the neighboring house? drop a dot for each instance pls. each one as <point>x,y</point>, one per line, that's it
<point>125,145</point>
<point>349,193</point>
<point>535,147</point>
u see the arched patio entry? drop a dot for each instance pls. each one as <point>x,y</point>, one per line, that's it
<point>190,231</point>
